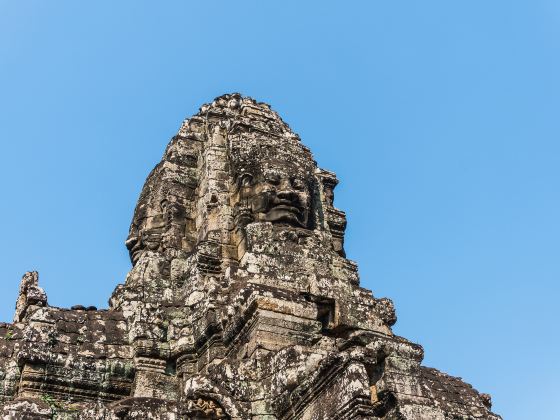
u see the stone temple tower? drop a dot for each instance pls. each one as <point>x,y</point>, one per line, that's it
<point>240,303</point>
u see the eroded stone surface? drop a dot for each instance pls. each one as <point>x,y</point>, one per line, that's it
<point>240,303</point>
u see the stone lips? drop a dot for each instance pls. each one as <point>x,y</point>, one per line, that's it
<point>240,303</point>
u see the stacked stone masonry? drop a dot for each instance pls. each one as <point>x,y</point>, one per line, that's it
<point>240,303</point>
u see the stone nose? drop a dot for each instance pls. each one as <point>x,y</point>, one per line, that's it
<point>131,242</point>
<point>286,194</point>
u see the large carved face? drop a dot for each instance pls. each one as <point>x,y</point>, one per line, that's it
<point>278,193</point>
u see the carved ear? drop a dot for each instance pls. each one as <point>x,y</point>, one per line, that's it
<point>245,180</point>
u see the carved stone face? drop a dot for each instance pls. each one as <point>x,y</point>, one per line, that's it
<point>146,240</point>
<point>146,235</point>
<point>277,195</point>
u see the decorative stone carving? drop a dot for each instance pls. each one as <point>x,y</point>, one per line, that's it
<point>204,409</point>
<point>275,192</point>
<point>29,294</point>
<point>240,303</point>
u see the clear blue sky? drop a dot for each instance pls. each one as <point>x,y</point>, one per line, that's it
<point>441,118</point>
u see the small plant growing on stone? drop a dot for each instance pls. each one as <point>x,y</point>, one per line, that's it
<point>52,403</point>
<point>53,339</point>
<point>9,335</point>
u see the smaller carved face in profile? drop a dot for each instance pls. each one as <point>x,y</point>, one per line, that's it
<point>148,239</point>
<point>145,234</point>
<point>276,196</point>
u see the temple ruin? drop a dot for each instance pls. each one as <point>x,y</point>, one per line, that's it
<point>240,304</point>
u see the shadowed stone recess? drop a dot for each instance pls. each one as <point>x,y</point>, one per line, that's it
<point>240,304</point>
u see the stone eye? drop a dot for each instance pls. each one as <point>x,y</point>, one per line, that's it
<point>245,180</point>
<point>297,184</point>
<point>273,179</point>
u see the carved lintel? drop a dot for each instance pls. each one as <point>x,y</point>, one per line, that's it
<point>208,257</point>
